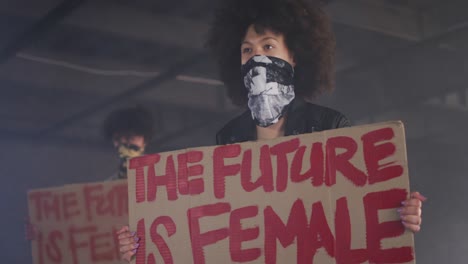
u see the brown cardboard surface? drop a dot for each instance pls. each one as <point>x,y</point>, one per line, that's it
<point>325,197</point>
<point>76,224</point>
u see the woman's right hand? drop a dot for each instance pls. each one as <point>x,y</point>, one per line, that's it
<point>128,243</point>
<point>30,231</point>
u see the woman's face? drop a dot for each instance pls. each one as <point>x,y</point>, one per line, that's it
<point>268,44</point>
<point>138,141</point>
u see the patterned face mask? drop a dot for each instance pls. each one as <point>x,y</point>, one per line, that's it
<point>269,82</point>
<point>127,151</point>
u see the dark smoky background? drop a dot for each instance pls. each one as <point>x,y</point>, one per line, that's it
<point>64,65</point>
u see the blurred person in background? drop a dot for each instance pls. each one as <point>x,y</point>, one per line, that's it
<point>129,130</point>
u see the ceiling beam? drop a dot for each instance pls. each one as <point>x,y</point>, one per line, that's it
<point>141,24</point>
<point>403,77</point>
<point>399,22</point>
<point>152,83</point>
<point>132,23</point>
<point>44,24</point>
<point>443,16</point>
<point>404,22</point>
<point>402,54</point>
<point>10,135</point>
<point>177,31</point>
<point>90,136</point>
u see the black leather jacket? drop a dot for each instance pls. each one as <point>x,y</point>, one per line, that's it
<point>302,118</point>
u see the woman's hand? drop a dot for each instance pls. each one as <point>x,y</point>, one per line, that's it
<point>128,243</point>
<point>30,231</point>
<point>410,213</point>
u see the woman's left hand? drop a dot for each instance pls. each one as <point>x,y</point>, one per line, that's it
<point>410,213</point>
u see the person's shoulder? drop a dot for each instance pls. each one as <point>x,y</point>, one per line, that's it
<point>236,130</point>
<point>326,117</point>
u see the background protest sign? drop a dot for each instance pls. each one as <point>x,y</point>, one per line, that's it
<point>76,224</point>
<point>328,197</point>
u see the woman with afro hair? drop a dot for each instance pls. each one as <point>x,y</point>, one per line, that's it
<point>275,56</point>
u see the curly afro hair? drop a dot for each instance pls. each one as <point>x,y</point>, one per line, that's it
<point>307,32</point>
<point>127,122</point>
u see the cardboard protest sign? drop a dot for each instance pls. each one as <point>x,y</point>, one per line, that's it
<point>325,197</point>
<point>76,224</point>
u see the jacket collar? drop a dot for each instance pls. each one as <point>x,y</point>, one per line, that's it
<point>295,122</point>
